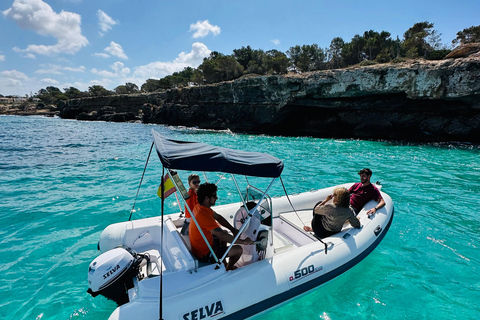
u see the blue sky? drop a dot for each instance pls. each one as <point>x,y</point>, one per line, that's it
<point>81,43</point>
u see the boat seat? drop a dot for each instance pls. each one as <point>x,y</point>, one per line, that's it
<point>280,243</point>
<point>186,241</point>
<point>293,230</point>
<point>176,254</point>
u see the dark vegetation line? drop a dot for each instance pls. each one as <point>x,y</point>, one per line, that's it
<point>421,41</point>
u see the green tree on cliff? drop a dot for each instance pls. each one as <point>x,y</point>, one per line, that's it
<point>258,63</point>
<point>128,88</point>
<point>415,40</point>
<point>335,53</point>
<point>151,85</point>
<point>261,62</point>
<point>243,56</point>
<point>44,96</point>
<point>98,91</point>
<point>228,68</point>
<point>51,95</point>
<point>378,46</point>
<point>218,67</point>
<point>197,77</point>
<point>307,57</point>
<point>353,52</point>
<point>181,79</point>
<point>468,35</point>
<point>277,62</point>
<point>373,45</point>
<point>172,81</point>
<point>73,93</point>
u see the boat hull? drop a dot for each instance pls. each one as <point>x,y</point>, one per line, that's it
<point>287,272</point>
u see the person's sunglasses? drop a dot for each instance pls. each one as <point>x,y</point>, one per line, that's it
<point>196,181</point>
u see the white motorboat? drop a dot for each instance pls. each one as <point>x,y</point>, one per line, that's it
<point>146,265</point>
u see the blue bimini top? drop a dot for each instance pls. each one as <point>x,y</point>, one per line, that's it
<point>197,156</point>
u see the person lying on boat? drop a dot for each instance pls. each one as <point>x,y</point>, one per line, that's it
<point>211,222</point>
<point>192,201</point>
<point>364,191</point>
<point>328,218</point>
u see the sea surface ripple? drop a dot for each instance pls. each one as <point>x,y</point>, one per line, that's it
<point>62,182</point>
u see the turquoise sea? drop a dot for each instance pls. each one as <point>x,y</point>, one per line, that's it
<point>62,182</point>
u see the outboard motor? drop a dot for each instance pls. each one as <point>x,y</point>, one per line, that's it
<point>111,274</point>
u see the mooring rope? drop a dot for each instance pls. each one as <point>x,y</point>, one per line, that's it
<point>139,185</point>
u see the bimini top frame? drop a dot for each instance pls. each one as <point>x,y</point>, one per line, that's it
<point>197,156</point>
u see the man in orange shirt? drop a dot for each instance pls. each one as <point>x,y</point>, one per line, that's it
<point>211,222</point>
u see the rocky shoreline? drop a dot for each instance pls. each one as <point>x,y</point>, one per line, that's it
<point>27,110</point>
<point>427,101</point>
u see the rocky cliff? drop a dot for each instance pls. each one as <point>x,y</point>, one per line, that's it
<point>416,100</point>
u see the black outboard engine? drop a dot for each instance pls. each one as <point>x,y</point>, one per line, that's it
<point>111,274</point>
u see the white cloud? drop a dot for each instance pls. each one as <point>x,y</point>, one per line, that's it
<point>2,58</point>
<point>49,71</point>
<point>157,70</point>
<point>119,71</point>
<point>58,69</point>
<point>77,69</point>
<point>14,74</point>
<point>203,28</point>
<point>40,17</point>
<point>101,54</point>
<point>105,22</point>
<point>49,81</point>
<point>116,50</point>
<point>275,41</point>
<point>11,81</point>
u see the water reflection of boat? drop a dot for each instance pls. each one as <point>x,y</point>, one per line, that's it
<point>135,270</point>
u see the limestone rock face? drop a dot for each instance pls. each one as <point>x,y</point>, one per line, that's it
<point>466,50</point>
<point>416,100</point>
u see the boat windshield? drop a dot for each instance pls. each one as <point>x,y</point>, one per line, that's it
<point>264,208</point>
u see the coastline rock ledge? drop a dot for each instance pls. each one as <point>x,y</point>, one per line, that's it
<point>428,101</point>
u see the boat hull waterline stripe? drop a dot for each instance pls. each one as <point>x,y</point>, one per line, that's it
<point>304,288</point>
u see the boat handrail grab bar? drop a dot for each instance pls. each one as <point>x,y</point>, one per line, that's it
<point>245,224</point>
<point>269,199</point>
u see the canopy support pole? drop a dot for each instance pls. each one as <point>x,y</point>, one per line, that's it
<point>220,179</point>
<point>160,314</point>
<point>239,192</point>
